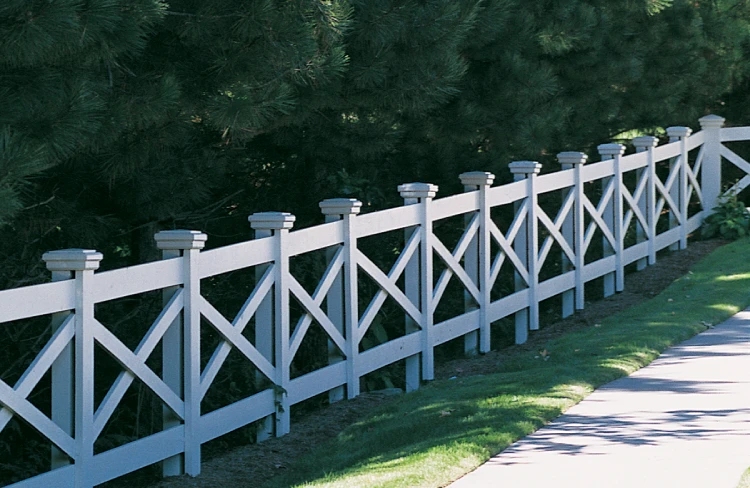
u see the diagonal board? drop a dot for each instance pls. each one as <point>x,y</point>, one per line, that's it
<point>506,249</point>
<point>388,286</point>
<point>554,230</point>
<point>454,267</point>
<point>41,364</point>
<point>137,367</point>
<point>240,322</point>
<point>596,214</point>
<point>461,247</point>
<point>377,302</point>
<point>633,200</point>
<point>316,301</point>
<point>313,310</point>
<point>142,352</point>
<point>664,188</point>
<point>235,337</point>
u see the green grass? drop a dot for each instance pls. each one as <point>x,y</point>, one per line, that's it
<point>745,480</point>
<point>447,428</point>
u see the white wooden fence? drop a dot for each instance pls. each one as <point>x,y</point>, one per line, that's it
<point>625,215</point>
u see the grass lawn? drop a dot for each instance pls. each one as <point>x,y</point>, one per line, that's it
<point>447,428</point>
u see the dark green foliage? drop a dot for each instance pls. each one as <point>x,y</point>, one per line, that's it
<point>730,220</point>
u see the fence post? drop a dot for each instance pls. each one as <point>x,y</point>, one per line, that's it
<point>612,217</point>
<point>187,244</point>
<point>62,391</point>
<point>711,167</point>
<point>647,203</point>
<point>341,300</point>
<point>526,246</point>
<point>176,244</point>
<point>83,263</point>
<point>477,261</point>
<point>418,277</point>
<point>573,230</point>
<point>278,223</point>
<point>681,134</point>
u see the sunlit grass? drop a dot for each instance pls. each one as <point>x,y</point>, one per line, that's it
<point>447,428</point>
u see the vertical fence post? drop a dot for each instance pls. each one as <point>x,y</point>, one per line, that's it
<point>337,303</point>
<point>526,246</point>
<point>681,134</point>
<point>614,218</point>
<point>177,244</point>
<point>279,224</point>
<point>647,203</point>
<point>607,152</point>
<point>422,194</point>
<point>573,231</point>
<point>477,261</point>
<point>83,263</point>
<point>711,166</point>
<point>187,244</point>
<point>62,401</point>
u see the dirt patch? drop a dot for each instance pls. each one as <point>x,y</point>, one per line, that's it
<point>255,464</point>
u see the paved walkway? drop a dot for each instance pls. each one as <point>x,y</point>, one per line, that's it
<point>683,421</point>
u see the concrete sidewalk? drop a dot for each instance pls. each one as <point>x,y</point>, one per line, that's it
<point>683,421</point>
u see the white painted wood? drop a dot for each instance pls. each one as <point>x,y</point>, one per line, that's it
<point>411,291</point>
<point>136,455</point>
<point>387,220</point>
<point>351,304</point>
<point>33,301</point>
<point>191,317</point>
<point>237,256</point>
<point>680,191</point>
<point>526,246</point>
<point>379,356</point>
<point>644,197</point>
<point>728,134</point>
<point>335,295</point>
<point>635,161</point>
<point>507,305</point>
<point>598,268</point>
<point>637,252</point>
<point>696,140</point>
<point>552,286</point>
<point>118,283</point>
<point>265,276</point>
<point>572,161</point>
<point>317,382</point>
<point>318,237</point>
<point>243,412</point>
<point>667,239</point>
<point>506,194</point>
<point>611,216</point>
<point>735,159</point>
<point>485,259</point>
<point>453,205</point>
<point>471,182</point>
<point>579,226</point>
<point>457,326</point>
<point>165,321</point>
<point>667,151</point>
<point>559,180</point>
<point>59,478</point>
<point>597,171</point>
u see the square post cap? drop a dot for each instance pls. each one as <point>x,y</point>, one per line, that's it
<point>675,132</point>
<point>271,220</point>
<point>72,259</point>
<point>610,150</point>
<point>712,122</point>
<point>572,157</point>
<point>476,178</point>
<point>340,206</point>
<point>417,190</point>
<point>180,239</point>
<point>644,142</point>
<point>525,167</point>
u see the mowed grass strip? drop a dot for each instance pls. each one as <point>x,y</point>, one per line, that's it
<point>433,436</point>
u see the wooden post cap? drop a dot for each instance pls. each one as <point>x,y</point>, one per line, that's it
<point>525,167</point>
<point>572,157</point>
<point>180,239</point>
<point>476,178</point>
<point>712,121</point>
<point>611,150</point>
<point>72,259</point>
<point>340,206</point>
<point>417,190</point>
<point>644,142</point>
<point>271,220</point>
<point>674,132</point>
